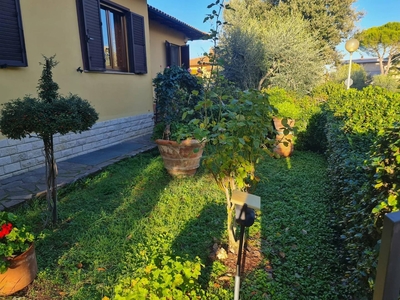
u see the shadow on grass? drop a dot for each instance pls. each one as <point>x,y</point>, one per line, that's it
<point>100,219</point>
<point>199,235</point>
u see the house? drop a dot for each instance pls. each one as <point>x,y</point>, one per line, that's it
<point>108,53</point>
<point>201,65</point>
<point>370,65</point>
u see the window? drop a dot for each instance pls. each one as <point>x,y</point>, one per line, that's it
<point>177,55</point>
<point>112,37</point>
<point>12,46</point>
<point>113,28</point>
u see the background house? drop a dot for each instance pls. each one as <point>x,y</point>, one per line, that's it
<point>370,65</point>
<point>108,53</point>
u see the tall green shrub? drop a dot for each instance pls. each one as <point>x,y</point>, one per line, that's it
<point>357,120</point>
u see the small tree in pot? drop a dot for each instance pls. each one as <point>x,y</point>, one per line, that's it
<point>45,116</point>
<point>177,93</point>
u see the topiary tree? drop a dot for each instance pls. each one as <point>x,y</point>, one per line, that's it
<point>45,116</point>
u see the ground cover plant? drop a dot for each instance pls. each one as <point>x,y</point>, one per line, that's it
<point>133,224</point>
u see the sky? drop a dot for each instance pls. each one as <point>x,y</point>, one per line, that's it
<point>193,12</point>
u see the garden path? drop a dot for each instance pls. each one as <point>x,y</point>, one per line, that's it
<point>23,187</point>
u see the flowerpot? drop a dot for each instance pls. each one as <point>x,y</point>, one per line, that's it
<point>279,126</point>
<point>181,159</point>
<point>284,145</point>
<point>20,273</point>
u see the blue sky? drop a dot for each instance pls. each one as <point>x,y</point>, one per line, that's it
<point>193,12</point>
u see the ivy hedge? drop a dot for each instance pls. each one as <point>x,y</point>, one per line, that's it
<point>363,141</point>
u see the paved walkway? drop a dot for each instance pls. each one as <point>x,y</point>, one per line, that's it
<point>20,188</point>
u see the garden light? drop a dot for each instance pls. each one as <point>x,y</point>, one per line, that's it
<point>351,46</point>
<point>245,217</point>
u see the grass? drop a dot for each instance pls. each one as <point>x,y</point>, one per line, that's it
<point>111,223</point>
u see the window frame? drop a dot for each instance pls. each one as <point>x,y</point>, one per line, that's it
<point>92,43</point>
<point>121,43</point>
<point>183,55</point>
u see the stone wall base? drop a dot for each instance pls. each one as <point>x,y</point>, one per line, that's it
<point>19,156</point>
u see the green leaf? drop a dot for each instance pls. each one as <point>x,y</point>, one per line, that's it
<point>392,200</point>
<point>379,207</point>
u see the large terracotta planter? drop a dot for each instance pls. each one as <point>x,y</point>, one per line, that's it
<point>181,159</point>
<point>284,143</point>
<point>21,272</point>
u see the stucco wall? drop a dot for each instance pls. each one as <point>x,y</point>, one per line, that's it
<point>51,27</point>
<point>158,35</point>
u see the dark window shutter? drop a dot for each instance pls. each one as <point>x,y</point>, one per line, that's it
<point>168,53</point>
<point>185,57</point>
<point>91,35</point>
<point>12,45</point>
<point>137,44</point>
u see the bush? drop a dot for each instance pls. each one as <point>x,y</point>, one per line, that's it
<point>358,75</point>
<point>284,102</point>
<point>386,82</point>
<point>311,127</point>
<point>357,121</point>
<point>176,92</point>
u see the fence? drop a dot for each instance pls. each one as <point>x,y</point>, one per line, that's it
<point>387,283</point>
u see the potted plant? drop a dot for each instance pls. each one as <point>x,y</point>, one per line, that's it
<point>18,266</point>
<point>177,93</point>
<point>287,111</point>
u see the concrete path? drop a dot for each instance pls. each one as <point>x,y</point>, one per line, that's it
<point>17,189</point>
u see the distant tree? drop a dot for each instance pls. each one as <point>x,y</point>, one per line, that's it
<point>358,75</point>
<point>265,51</point>
<point>382,42</point>
<point>329,21</point>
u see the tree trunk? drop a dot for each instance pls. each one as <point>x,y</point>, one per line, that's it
<point>231,223</point>
<point>51,174</point>
<point>381,65</point>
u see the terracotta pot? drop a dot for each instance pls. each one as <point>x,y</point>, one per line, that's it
<point>21,272</point>
<point>181,159</point>
<point>279,126</point>
<point>284,143</point>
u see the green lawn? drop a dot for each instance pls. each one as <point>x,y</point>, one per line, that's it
<point>112,224</point>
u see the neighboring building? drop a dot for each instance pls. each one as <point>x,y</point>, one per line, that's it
<point>370,65</point>
<point>108,53</point>
<point>201,65</point>
<point>168,37</point>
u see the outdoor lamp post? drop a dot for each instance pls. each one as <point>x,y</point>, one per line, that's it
<point>351,46</point>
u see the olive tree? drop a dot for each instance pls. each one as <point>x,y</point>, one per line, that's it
<point>43,117</point>
<point>274,51</point>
